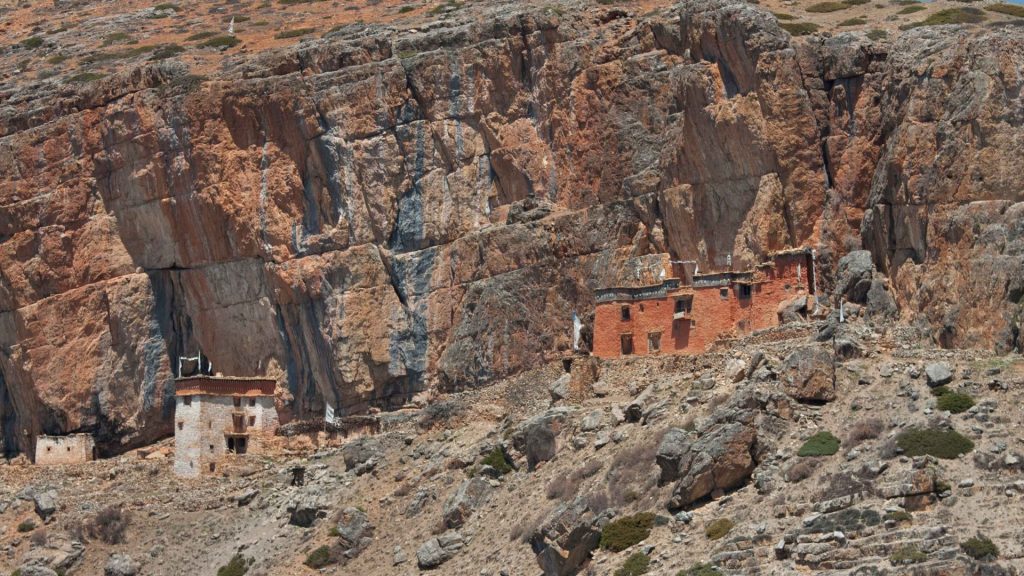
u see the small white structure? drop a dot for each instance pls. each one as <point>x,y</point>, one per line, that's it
<point>70,449</point>
<point>215,416</point>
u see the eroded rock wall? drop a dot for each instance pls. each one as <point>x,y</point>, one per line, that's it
<point>376,214</point>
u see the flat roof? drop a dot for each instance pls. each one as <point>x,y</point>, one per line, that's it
<point>224,386</point>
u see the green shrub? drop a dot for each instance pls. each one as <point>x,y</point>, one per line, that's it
<point>799,28</point>
<point>783,16</point>
<point>898,516</point>
<point>295,2</point>
<point>624,532</point>
<point>856,2</point>
<point>237,566</point>
<point>940,391</point>
<point>33,42</point>
<point>700,570</point>
<point>220,42</point>
<point>318,558</point>
<point>294,33</point>
<point>950,16</point>
<point>166,6</point>
<point>83,77</point>
<point>638,563</point>
<point>455,5</point>
<point>201,36</point>
<point>117,38</point>
<point>946,444</point>
<point>26,526</point>
<point>907,555</point>
<point>405,9</point>
<point>955,402</point>
<point>877,34</point>
<point>980,548</point>
<point>826,7</point>
<point>496,459</point>
<point>910,10</point>
<point>821,444</point>
<point>57,59</point>
<point>166,51</point>
<point>1008,9</point>
<point>858,21</point>
<point>718,528</point>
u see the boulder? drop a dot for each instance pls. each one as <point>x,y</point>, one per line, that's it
<point>355,531</point>
<point>431,555</point>
<point>592,421</point>
<point>808,375</point>
<point>848,349</point>
<point>721,459</point>
<point>938,374</point>
<point>45,503</point>
<point>470,495</point>
<point>306,507</point>
<point>559,389</point>
<point>880,303</point>
<point>566,538</point>
<point>792,309</point>
<point>537,437</point>
<point>362,454</point>
<point>735,370</point>
<point>675,444</point>
<point>121,565</point>
<point>853,276</point>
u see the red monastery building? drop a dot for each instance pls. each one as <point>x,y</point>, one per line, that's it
<point>656,305</point>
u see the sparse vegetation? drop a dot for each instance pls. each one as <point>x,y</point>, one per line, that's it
<point>907,555</point>
<point>877,34</point>
<point>718,528</point>
<point>950,16</point>
<point>318,558</point>
<point>853,22</point>
<point>110,525</point>
<point>201,36</point>
<point>799,28</point>
<point>452,5</point>
<point>940,390</point>
<point>57,59</point>
<point>899,516</point>
<point>700,570</point>
<point>294,33</point>
<point>783,16</point>
<point>562,487</point>
<point>237,566</point>
<point>638,563</point>
<point>633,472</point>
<point>624,532</point>
<point>166,51</point>
<point>220,42</point>
<point>826,7</point>
<point>867,429</point>
<point>801,470</point>
<point>946,444</point>
<point>166,6</point>
<point>26,526</point>
<point>911,9</point>
<point>496,459</point>
<point>118,38</point>
<point>955,402</point>
<point>32,42</point>
<point>406,9</point>
<point>980,548</point>
<point>821,444</point>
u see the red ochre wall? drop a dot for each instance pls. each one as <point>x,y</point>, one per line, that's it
<point>712,315</point>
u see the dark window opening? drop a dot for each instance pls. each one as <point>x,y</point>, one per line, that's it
<point>48,448</point>
<point>252,401</point>
<point>181,425</point>
<point>187,400</point>
<point>684,305</point>
<point>213,467</point>
<point>724,293</point>
<point>238,422</point>
<point>654,341</point>
<point>237,445</point>
<point>237,401</point>
<point>69,448</point>
<point>625,312</point>
<point>626,342</point>
<point>211,447</point>
<point>745,291</point>
<point>252,420</point>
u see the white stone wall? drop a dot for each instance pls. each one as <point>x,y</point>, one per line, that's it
<point>72,449</point>
<point>200,430</point>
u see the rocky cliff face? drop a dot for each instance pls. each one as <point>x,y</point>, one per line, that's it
<point>380,213</point>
